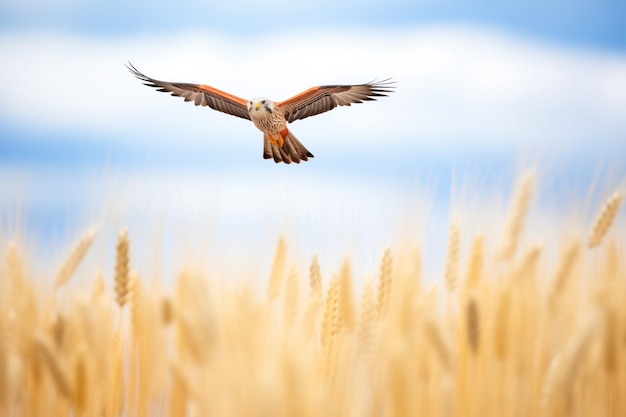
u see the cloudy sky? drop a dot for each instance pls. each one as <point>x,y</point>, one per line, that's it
<point>484,90</point>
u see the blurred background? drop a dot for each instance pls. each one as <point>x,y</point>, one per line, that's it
<point>484,90</point>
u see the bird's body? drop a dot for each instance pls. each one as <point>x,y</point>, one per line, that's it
<point>266,117</point>
<point>278,142</point>
<point>271,118</point>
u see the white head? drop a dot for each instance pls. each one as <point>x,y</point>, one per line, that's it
<point>259,104</point>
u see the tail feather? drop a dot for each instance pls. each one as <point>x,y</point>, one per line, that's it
<point>291,151</point>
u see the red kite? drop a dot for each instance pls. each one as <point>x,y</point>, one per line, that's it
<point>272,118</point>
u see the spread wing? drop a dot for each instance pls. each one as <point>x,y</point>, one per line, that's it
<point>201,95</point>
<point>321,99</point>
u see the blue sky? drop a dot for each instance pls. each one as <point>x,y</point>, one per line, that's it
<point>484,89</point>
<point>584,22</point>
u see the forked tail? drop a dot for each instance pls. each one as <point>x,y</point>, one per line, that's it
<point>291,151</point>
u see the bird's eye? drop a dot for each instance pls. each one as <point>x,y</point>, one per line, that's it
<point>263,102</point>
<point>251,102</point>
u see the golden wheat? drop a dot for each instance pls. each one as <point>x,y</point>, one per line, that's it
<point>315,278</point>
<point>368,316</point>
<point>276,276</point>
<point>291,294</point>
<point>536,335</point>
<point>438,340</point>
<point>473,323</point>
<point>51,360</point>
<point>475,264</point>
<point>564,369</point>
<point>519,208</point>
<point>452,260</point>
<point>331,319</point>
<point>384,283</point>
<point>75,257</point>
<point>346,297</point>
<point>605,219</point>
<point>121,268</point>
<point>563,274</point>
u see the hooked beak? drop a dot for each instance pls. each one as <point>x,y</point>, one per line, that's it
<point>257,105</point>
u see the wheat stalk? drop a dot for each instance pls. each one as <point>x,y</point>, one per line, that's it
<point>51,360</point>
<point>605,219</point>
<point>291,295</point>
<point>501,323</point>
<point>440,343</point>
<point>611,340</point>
<point>563,370</point>
<point>528,264</point>
<point>135,291</point>
<point>81,389</point>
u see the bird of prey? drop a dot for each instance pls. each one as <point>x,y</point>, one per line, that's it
<point>272,117</point>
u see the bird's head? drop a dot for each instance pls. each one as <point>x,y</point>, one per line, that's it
<point>259,104</point>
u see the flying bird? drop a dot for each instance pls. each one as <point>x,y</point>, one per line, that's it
<point>270,117</point>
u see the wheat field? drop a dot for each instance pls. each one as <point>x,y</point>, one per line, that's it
<point>508,330</point>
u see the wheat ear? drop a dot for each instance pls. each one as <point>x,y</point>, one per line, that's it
<point>121,268</point>
<point>367,316</point>
<point>167,310</point>
<point>605,219</point>
<point>14,266</point>
<point>273,285</point>
<point>475,263</point>
<point>75,257</point>
<point>331,319</point>
<point>316,297</point>
<point>515,224</point>
<point>473,323</point>
<point>452,259</point>
<point>346,300</point>
<point>315,278</point>
<point>384,283</point>
<point>563,273</point>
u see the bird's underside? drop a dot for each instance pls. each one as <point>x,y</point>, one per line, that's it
<point>271,118</point>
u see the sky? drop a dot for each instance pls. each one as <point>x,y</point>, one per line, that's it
<point>484,90</point>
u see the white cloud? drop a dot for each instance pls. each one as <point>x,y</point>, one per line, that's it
<point>456,86</point>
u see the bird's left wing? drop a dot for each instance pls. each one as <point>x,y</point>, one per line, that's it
<point>201,95</point>
<point>321,99</point>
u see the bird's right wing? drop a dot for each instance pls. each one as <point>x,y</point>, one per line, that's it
<point>323,98</point>
<point>201,95</point>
